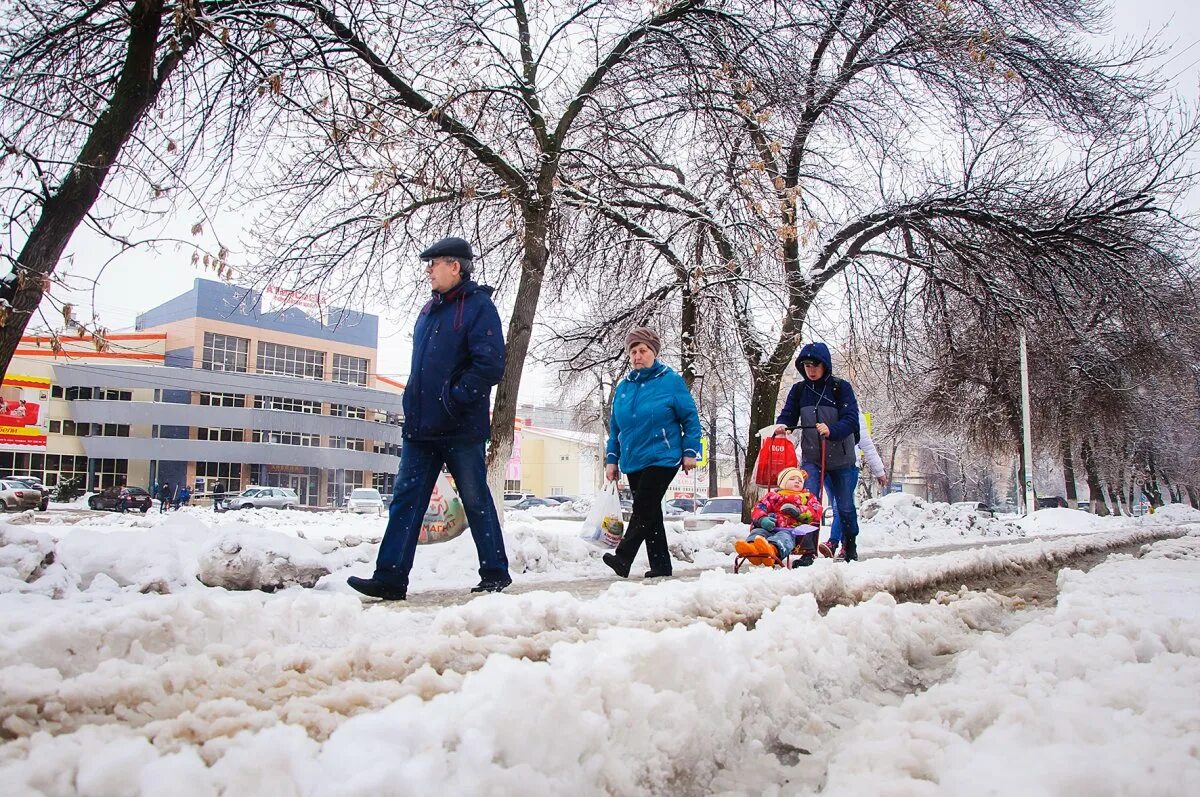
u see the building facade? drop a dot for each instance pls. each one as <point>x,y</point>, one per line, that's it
<point>213,388</point>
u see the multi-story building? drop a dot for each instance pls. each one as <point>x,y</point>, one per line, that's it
<point>213,388</point>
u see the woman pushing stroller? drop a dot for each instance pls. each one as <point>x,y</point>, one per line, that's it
<point>827,412</point>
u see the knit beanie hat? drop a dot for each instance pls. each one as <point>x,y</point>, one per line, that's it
<point>786,473</point>
<point>643,335</point>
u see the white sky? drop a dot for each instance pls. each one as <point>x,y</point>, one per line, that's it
<point>141,279</point>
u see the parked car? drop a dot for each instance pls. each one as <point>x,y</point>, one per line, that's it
<point>365,500</point>
<point>685,504</point>
<point>35,483</point>
<point>108,498</point>
<point>724,509</point>
<point>19,496</point>
<point>562,499</point>
<point>530,503</point>
<point>264,498</point>
<point>1050,502</point>
<point>514,497</point>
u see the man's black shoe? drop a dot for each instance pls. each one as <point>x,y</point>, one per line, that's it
<point>374,588</point>
<point>656,574</point>
<point>492,585</point>
<point>618,567</point>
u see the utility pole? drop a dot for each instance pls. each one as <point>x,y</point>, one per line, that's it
<point>1027,434</point>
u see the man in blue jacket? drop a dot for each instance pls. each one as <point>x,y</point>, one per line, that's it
<point>458,355</point>
<point>827,412</point>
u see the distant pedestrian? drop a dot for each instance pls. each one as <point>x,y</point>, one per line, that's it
<point>164,497</point>
<point>866,451</point>
<point>825,408</point>
<point>182,496</point>
<point>122,497</point>
<point>458,355</point>
<point>219,497</point>
<point>653,431</point>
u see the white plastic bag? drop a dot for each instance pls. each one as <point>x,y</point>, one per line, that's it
<point>445,518</point>
<point>604,525</point>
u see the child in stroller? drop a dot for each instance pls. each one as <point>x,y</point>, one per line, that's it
<point>785,519</point>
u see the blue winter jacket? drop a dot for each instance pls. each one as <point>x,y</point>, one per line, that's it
<point>821,394</point>
<point>458,355</point>
<point>654,421</point>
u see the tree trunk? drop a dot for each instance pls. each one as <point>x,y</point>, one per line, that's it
<point>714,485</point>
<point>1114,495</point>
<point>516,347</point>
<point>1095,490</point>
<point>136,90</point>
<point>1068,460</point>
<point>763,397</point>
<point>1193,496</point>
<point>688,321</point>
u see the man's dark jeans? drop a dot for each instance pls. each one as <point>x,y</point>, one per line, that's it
<point>648,485</point>
<point>840,485</point>
<point>420,463</point>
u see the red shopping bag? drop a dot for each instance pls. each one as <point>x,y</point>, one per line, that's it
<point>776,454</point>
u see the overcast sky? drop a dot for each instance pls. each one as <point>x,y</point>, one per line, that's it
<point>140,280</point>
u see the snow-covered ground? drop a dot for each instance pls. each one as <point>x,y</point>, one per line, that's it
<point>121,673</point>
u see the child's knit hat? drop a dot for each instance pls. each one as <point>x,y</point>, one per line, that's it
<point>788,472</point>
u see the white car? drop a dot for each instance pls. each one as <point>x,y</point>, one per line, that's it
<point>514,497</point>
<point>365,500</point>
<point>723,509</point>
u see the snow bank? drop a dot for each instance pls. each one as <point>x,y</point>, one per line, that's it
<point>898,520</point>
<point>259,559</point>
<point>642,690</point>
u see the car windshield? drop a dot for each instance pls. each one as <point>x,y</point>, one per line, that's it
<point>251,493</point>
<point>137,491</point>
<point>722,506</point>
<point>365,494</point>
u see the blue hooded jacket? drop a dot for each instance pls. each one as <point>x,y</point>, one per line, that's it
<point>821,393</point>
<point>654,421</point>
<point>458,355</point>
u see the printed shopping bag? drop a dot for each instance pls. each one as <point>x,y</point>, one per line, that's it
<point>604,525</point>
<point>775,454</point>
<point>445,518</point>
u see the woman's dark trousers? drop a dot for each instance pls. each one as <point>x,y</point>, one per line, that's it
<point>649,485</point>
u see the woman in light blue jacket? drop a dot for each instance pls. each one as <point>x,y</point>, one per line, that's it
<point>654,430</point>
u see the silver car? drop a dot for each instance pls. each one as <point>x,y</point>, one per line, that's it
<point>264,498</point>
<point>17,496</point>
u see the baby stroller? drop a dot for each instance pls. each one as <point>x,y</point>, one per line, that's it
<point>779,453</point>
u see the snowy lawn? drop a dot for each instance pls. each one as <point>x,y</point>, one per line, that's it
<point>725,684</point>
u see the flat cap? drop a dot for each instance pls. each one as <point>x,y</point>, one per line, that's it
<point>449,247</point>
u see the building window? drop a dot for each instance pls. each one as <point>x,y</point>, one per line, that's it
<point>345,411</point>
<point>209,473</point>
<point>109,473</point>
<point>221,435</point>
<point>287,404</point>
<point>222,400</point>
<point>107,429</point>
<point>339,483</point>
<point>384,483</point>
<point>349,370</point>
<point>56,391</point>
<point>556,491</point>
<point>50,468</point>
<point>386,448</point>
<point>73,429</point>
<point>512,485</point>
<point>225,353</point>
<point>286,438</point>
<point>97,394</point>
<point>275,358</point>
<point>350,443</point>
<point>56,427</point>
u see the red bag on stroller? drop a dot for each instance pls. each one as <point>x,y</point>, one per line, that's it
<point>776,453</point>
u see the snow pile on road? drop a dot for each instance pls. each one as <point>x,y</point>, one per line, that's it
<point>1098,697</point>
<point>547,693</point>
<point>898,520</point>
<point>259,559</point>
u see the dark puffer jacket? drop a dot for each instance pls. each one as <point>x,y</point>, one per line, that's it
<point>818,402</point>
<point>458,355</point>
